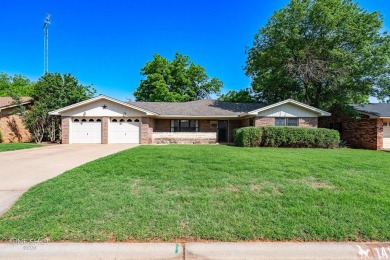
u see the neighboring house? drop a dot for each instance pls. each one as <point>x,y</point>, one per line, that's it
<point>370,131</point>
<point>11,125</point>
<point>106,120</point>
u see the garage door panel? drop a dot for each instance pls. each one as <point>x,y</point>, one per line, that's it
<point>86,132</point>
<point>125,131</point>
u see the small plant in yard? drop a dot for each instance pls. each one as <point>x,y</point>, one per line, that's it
<point>343,144</point>
<point>1,137</point>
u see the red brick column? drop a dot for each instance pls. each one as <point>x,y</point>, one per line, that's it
<point>379,137</point>
<point>105,121</point>
<point>65,129</point>
<point>147,125</point>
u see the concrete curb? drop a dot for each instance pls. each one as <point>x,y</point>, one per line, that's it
<point>287,250</point>
<point>43,250</point>
<point>216,250</point>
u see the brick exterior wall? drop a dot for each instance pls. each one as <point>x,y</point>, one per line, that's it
<point>361,133</point>
<point>207,126</point>
<point>13,130</point>
<point>105,122</point>
<point>264,121</point>
<point>147,126</point>
<point>65,130</point>
<point>303,121</point>
<point>162,125</point>
<point>308,121</point>
<point>184,138</point>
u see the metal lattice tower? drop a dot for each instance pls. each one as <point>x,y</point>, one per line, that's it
<point>46,43</point>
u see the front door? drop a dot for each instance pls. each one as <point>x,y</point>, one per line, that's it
<point>222,131</point>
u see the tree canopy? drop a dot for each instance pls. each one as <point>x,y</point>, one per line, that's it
<point>321,52</point>
<point>243,95</point>
<point>16,85</point>
<point>175,81</point>
<point>53,91</point>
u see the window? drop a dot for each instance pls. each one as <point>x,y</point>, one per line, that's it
<point>251,122</point>
<point>184,125</point>
<point>292,121</point>
<point>91,120</point>
<point>114,120</point>
<point>129,120</point>
<point>280,121</point>
<point>286,121</point>
<point>84,120</point>
<point>98,120</point>
<point>76,120</point>
<point>137,120</point>
<point>122,120</point>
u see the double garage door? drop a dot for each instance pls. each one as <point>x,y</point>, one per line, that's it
<point>89,131</point>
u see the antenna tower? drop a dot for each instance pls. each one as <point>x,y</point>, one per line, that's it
<point>46,43</point>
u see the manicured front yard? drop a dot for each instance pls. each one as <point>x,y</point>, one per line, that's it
<point>194,192</point>
<point>17,146</point>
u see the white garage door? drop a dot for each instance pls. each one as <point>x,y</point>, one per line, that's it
<point>86,131</point>
<point>124,131</point>
<point>386,135</point>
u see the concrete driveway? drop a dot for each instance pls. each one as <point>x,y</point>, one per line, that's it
<point>22,169</point>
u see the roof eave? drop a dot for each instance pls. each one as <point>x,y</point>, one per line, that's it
<point>318,111</point>
<point>193,116</point>
<point>15,105</point>
<point>67,108</point>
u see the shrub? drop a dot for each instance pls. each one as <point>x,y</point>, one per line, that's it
<point>1,137</point>
<point>248,136</point>
<point>286,137</point>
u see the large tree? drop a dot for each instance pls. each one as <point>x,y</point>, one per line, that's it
<point>242,95</point>
<point>51,92</point>
<point>175,81</point>
<point>321,52</point>
<point>16,85</point>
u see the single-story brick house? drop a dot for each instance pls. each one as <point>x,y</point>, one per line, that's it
<point>11,125</point>
<point>106,120</point>
<point>370,131</point>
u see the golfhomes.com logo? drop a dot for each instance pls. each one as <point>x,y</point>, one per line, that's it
<point>29,244</point>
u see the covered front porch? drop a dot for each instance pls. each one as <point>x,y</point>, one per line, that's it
<point>196,131</point>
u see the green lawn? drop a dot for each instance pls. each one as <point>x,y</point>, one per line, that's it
<point>196,192</point>
<point>17,146</point>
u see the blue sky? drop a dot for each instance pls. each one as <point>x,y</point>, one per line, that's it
<point>106,43</point>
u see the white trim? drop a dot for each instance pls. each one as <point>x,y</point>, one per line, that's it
<point>82,103</point>
<point>319,111</point>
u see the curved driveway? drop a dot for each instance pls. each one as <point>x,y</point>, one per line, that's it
<point>22,169</point>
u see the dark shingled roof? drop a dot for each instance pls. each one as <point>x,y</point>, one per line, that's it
<point>376,109</point>
<point>203,107</point>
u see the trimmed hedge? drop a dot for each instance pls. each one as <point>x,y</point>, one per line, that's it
<point>271,136</point>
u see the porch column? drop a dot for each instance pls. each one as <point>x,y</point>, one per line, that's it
<point>65,129</point>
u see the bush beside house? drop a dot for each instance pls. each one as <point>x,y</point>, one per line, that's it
<point>1,137</point>
<point>270,136</point>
